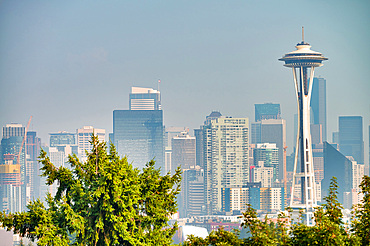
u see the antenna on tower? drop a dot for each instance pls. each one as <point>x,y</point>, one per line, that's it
<point>302,34</point>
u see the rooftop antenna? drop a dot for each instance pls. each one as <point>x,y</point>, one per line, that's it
<point>302,34</point>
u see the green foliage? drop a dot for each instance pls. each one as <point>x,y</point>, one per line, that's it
<point>265,232</point>
<point>103,201</point>
<point>361,223</point>
<point>329,228</point>
<point>216,238</point>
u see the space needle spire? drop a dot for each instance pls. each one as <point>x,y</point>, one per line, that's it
<point>303,62</point>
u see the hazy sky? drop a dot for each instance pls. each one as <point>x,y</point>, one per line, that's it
<point>71,63</point>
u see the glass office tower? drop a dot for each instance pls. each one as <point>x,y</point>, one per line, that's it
<point>138,134</point>
<point>351,142</point>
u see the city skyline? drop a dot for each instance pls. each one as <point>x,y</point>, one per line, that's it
<point>73,64</point>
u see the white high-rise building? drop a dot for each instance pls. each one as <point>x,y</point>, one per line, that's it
<point>144,99</point>
<point>226,158</point>
<point>84,138</point>
<point>262,174</point>
<point>239,198</point>
<point>58,159</point>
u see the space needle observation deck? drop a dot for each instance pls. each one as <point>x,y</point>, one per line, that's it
<point>303,62</point>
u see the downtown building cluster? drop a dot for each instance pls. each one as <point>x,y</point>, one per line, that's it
<point>226,163</point>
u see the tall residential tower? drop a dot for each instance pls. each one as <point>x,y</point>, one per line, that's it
<point>226,159</point>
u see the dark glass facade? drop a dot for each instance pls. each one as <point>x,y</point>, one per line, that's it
<point>33,145</point>
<point>351,141</point>
<point>138,134</point>
<point>336,165</point>
<point>318,104</point>
<point>62,139</point>
<point>267,111</point>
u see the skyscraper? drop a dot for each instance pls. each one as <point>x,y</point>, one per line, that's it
<point>267,111</point>
<point>351,141</point>
<point>305,61</point>
<point>198,133</point>
<point>183,152</point>
<point>33,146</point>
<point>226,158</point>
<point>338,165</point>
<point>139,135</point>
<point>67,142</point>
<point>62,139</point>
<point>268,154</point>
<point>84,137</point>
<point>318,104</point>
<point>272,131</point>
<point>144,99</point>
<point>191,201</point>
<point>13,157</point>
<point>10,185</point>
<point>169,133</point>
<point>59,159</point>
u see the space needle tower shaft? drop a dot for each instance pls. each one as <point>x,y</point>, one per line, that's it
<point>303,62</point>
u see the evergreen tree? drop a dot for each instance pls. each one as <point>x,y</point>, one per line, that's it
<point>329,228</point>
<point>361,223</point>
<point>103,201</point>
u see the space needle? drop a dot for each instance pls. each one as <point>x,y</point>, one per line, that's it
<point>303,62</point>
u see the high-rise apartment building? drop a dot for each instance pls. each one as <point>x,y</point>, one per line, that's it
<point>351,141</point>
<point>267,111</point>
<point>183,152</point>
<point>318,104</point>
<point>198,133</point>
<point>84,138</point>
<point>262,174</point>
<point>267,199</point>
<point>144,99</point>
<point>237,199</point>
<point>226,164</point>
